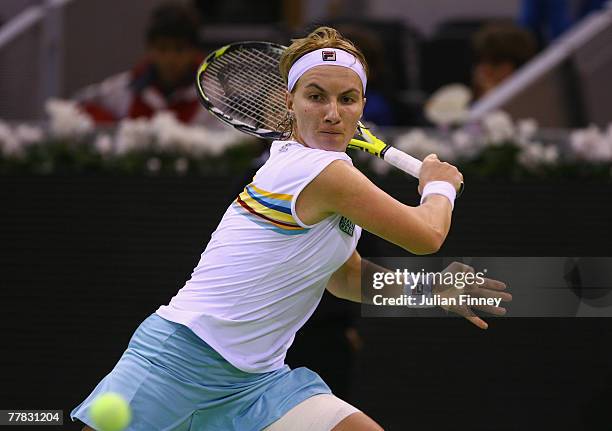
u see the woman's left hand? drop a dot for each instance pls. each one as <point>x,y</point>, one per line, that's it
<point>480,287</point>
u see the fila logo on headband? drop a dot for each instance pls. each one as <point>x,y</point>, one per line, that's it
<point>328,55</point>
<point>325,56</point>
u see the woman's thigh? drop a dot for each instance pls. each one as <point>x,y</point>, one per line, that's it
<point>324,412</point>
<point>357,422</point>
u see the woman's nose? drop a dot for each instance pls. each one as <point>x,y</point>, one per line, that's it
<point>331,113</point>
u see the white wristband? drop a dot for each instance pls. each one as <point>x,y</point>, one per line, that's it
<point>440,188</point>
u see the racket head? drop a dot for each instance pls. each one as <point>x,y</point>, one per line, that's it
<point>241,85</point>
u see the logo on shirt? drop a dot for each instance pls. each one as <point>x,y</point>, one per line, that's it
<point>346,226</point>
<point>328,55</point>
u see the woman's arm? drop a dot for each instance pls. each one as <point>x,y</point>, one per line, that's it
<point>345,283</point>
<point>342,189</point>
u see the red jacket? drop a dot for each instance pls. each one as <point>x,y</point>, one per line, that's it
<point>137,93</point>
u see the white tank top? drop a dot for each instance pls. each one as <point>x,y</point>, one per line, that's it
<point>264,271</point>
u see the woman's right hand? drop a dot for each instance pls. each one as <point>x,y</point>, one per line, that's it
<point>435,170</point>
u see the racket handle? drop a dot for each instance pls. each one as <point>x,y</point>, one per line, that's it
<point>403,161</point>
<point>408,164</point>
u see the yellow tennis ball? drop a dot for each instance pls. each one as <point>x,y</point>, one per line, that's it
<point>110,412</point>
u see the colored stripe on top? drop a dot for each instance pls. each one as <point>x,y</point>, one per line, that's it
<point>268,209</point>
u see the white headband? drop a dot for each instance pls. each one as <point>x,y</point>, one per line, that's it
<point>325,57</point>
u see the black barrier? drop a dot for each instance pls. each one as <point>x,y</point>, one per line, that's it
<point>85,259</point>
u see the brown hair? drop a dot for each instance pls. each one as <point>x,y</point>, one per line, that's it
<point>504,42</point>
<point>321,37</point>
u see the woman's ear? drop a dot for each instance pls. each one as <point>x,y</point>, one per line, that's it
<point>289,101</point>
<point>363,108</point>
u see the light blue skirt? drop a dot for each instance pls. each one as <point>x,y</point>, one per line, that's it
<point>174,381</point>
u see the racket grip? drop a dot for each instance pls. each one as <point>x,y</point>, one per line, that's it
<point>408,164</point>
<point>403,161</point>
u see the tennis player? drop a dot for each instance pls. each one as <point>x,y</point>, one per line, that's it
<point>213,358</point>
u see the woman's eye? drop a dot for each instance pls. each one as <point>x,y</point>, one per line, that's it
<point>315,97</point>
<point>347,99</point>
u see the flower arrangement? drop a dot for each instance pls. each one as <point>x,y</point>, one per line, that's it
<point>495,146</point>
<point>70,142</point>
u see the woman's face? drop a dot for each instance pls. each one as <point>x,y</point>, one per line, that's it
<point>327,103</point>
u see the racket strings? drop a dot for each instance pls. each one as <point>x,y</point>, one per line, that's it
<point>269,65</point>
<point>244,79</point>
<point>256,98</point>
<point>233,104</point>
<point>247,83</point>
<point>275,86</point>
<point>273,89</point>
<point>264,95</point>
<point>239,111</point>
<point>246,105</point>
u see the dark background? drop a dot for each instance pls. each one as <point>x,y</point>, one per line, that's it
<point>84,259</point>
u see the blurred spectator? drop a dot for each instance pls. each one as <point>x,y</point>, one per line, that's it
<point>548,19</point>
<point>162,80</point>
<point>378,107</point>
<point>499,50</point>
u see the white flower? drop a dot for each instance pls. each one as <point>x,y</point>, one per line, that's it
<point>419,145</point>
<point>537,154</point>
<point>221,140</point>
<point>104,145</point>
<point>10,145</point>
<point>526,129</point>
<point>195,140</point>
<point>29,134</point>
<point>67,120</point>
<point>591,145</point>
<point>133,135</point>
<point>465,145</point>
<point>200,140</point>
<point>379,166</point>
<point>498,127</point>
<point>608,139</point>
<point>153,164</point>
<point>448,105</point>
<point>181,165</point>
<point>168,132</point>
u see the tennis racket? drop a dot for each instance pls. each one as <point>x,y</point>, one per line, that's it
<point>241,85</point>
